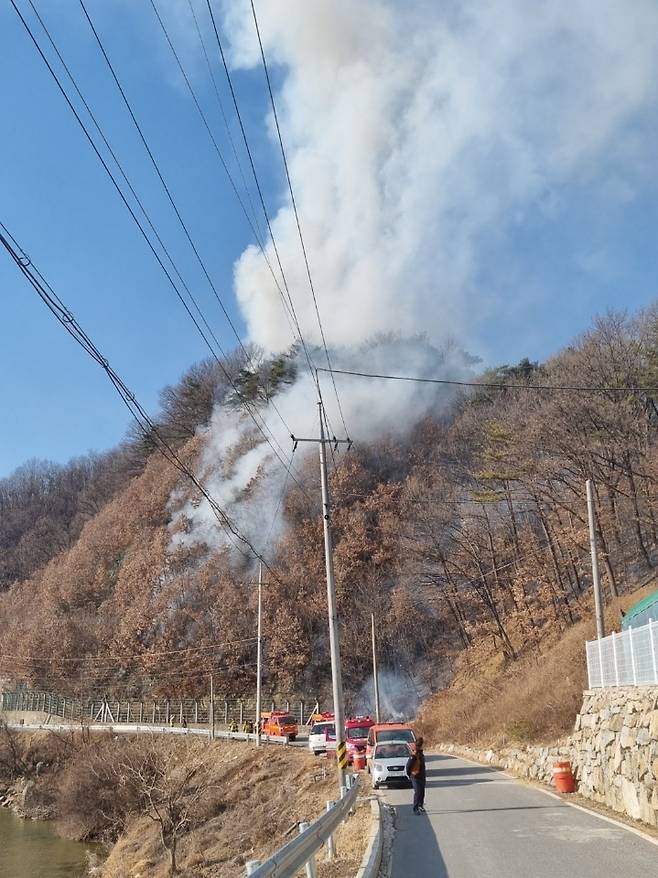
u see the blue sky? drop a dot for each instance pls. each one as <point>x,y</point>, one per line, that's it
<point>60,205</point>
<point>582,244</point>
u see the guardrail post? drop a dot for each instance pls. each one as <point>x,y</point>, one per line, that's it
<point>252,865</point>
<point>225,712</point>
<point>653,651</point>
<point>241,705</point>
<point>141,712</point>
<point>331,847</point>
<point>630,641</point>
<point>311,871</point>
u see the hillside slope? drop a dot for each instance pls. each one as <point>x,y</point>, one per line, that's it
<point>465,533</point>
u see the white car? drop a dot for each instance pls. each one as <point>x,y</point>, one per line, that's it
<point>320,734</point>
<point>389,763</point>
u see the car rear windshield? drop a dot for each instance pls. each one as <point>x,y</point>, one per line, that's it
<point>396,735</point>
<point>391,751</point>
<point>360,732</point>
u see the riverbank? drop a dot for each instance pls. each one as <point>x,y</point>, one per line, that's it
<point>202,808</point>
<point>32,849</point>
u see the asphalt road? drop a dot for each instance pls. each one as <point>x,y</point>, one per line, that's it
<point>482,824</point>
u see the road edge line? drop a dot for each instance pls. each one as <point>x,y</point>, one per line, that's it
<point>620,823</point>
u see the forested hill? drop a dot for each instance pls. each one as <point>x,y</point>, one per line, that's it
<point>471,530</point>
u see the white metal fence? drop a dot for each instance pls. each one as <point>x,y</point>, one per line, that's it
<point>624,659</point>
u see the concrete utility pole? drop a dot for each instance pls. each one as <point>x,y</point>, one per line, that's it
<point>375,678</point>
<point>598,602</point>
<point>259,652</point>
<point>334,644</point>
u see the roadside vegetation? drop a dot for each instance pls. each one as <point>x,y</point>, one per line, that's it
<point>468,540</point>
<point>533,700</point>
<point>173,807</point>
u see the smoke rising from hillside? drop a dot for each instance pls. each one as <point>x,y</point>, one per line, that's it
<point>416,134</point>
<point>419,132</point>
<point>240,468</point>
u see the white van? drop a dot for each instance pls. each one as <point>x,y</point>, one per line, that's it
<point>321,734</point>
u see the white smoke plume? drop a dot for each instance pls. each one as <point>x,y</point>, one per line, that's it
<point>418,135</point>
<point>240,468</point>
<point>421,133</point>
<point>400,696</point>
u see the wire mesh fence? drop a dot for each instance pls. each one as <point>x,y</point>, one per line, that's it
<point>188,711</point>
<point>624,659</point>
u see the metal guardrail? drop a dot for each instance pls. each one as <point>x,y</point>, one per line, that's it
<point>624,659</point>
<point>299,852</point>
<point>136,729</point>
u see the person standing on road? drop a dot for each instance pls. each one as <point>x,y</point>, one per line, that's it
<point>416,774</point>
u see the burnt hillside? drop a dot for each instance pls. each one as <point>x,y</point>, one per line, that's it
<point>470,530</point>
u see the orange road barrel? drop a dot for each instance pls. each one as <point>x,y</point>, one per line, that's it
<point>563,777</point>
<point>359,761</point>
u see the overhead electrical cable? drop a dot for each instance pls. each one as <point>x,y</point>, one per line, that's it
<point>148,427</point>
<point>294,207</point>
<point>495,385</point>
<point>179,217</point>
<point>222,111</point>
<point>135,656</point>
<point>268,223</point>
<point>166,188</point>
<point>220,155</point>
<point>261,427</point>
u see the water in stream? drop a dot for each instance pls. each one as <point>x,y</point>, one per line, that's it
<point>31,849</point>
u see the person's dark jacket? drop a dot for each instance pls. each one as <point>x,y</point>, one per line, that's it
<point>411,762</point>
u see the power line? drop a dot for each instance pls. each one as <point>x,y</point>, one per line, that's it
<point>223,111</point>
<point>139,225</point>
<point>156,167</point>
<point>183,225</point>
<point>236,106</point>
<point>148,427</point>
<point>294,206</point>
<point>135,656</point>
<point>493,384</point>
<point>220,155</point>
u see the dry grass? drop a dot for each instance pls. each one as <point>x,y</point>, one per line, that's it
<point>532,700</point>
<point>254,798</point>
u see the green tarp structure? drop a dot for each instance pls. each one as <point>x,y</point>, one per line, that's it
<point>642,612</point>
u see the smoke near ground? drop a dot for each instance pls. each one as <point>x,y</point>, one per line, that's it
<point>400,696</point>
<point>240,467</point>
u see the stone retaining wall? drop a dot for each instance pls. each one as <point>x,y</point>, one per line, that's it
<point>613,751</point>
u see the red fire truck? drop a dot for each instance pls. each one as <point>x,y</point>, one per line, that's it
<point>356,734</point>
